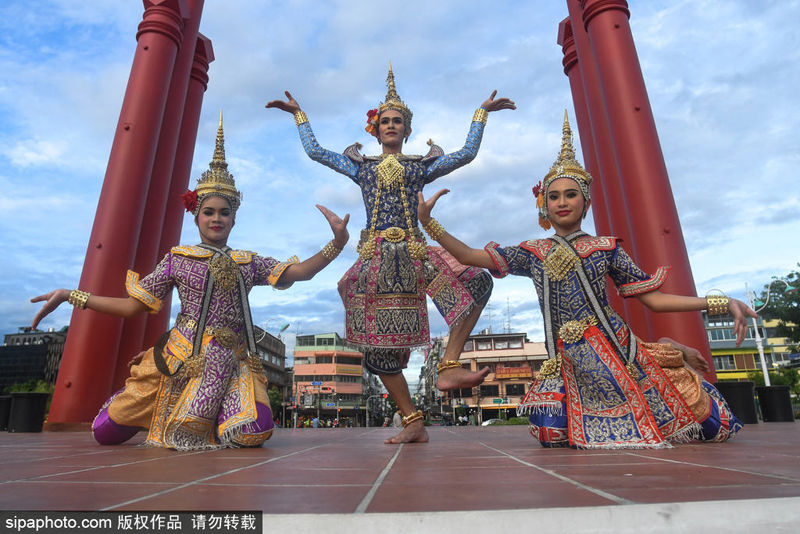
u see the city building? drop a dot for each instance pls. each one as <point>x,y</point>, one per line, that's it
<point>31,355</point>
<point>272,352</point>
<point>330,381</point>
<point>513,362</point>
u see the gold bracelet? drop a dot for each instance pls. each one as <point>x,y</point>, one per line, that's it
<point>78,298</point>
<point>434,229</point>
<point>480,115</point>
<point>410,418</point>
<point>330,251</point>
<point>717,305</point>
<point>300,117</point>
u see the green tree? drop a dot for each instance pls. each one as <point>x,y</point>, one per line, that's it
<point>783,304</point>
<point>783,376</point>
<point>275,399</point>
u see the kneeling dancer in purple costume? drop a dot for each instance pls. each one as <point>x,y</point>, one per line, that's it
<point>202,386</point>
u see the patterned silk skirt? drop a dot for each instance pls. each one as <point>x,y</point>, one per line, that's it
<point>588,398</point>
<point>385,305</point>
<point>216,405</point>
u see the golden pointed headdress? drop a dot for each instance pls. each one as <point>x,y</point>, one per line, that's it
<point>217,180</point>
<point>393,101</point>
<point>565,166</point>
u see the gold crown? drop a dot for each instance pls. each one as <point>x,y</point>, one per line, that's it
<point>393,100</point>
<point>566,166</point>
<point>217,180</point>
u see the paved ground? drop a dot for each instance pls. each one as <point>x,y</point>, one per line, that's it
<point>467,479</point>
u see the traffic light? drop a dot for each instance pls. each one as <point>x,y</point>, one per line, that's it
<point>385,395</point>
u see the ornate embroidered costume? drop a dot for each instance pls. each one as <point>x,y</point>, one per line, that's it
<point>201,389</point>
<point>202,385</point>
<point>601,387</point>
<point>384,291</point>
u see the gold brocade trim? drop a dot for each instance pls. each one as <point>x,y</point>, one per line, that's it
<point>481,115</point>
<point>572,331</point>
<point>277,271</point>
<point>551,368</point>
<point>559,263</point>
<point>136,291</point>
<point>192,251</point>
<point>390,172</point>
<point>242,257</point>
<point>224,270</point>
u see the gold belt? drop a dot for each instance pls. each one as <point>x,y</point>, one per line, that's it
<point>417,246</point>
<point>225,336</point>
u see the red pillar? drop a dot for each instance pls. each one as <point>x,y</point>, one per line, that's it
<point>133,332</point>
<point>658,239</point>
<point>600,204</point>
<point>608,174</point>
<point>87,366</point>
<point>182,168</point>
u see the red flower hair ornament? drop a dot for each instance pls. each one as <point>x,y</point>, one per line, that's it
<point>372,122</point>
<point>189,200</point>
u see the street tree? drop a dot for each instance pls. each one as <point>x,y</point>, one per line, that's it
<point>783,304</point>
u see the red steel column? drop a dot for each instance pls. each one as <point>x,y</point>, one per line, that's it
<point>182,168</point>
<point>132,338</point>
<point>600,207</point>
<point>87,367</point>
<point>658,239</point>
<point>621,227</point>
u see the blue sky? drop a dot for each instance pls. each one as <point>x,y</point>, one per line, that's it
<point>721,77</point>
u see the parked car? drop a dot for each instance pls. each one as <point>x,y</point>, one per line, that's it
<point>492,422</point>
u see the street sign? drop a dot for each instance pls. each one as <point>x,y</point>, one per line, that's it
<point>330,404</point>
<point>316,383</point>
<point>497,401</point>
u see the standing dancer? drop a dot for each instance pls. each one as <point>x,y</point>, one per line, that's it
<point>601,387</point>
<point>384,291</point>
<point>202,386</point>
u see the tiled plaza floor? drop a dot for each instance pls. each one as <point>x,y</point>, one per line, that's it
<point>463,477</point>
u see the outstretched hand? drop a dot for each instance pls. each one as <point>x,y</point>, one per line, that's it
<point>490,104</point>
<point>740,312</point>
<point>424,207</point>
<point>290,105</point>
<point>338,225</point>
<point>53,301</point>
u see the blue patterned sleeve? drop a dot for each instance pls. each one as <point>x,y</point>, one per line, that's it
<point>338,162</point>
<point>509,260</point>
<point>629,278</point>
<point>450,162</point>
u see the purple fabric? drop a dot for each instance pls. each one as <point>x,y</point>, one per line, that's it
<point>262,423</point>
<point>107,432</point>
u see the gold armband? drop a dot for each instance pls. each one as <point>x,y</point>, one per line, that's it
<point>330,251</point>
<point>480,115</point>
<point>78,298</point>
<point>434,229</point>
<point>410,418</point>
<point>717,304</point>
<point>300,117</point>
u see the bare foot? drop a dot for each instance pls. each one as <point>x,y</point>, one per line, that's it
<point>413,433</point>
<point>456,378</point>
